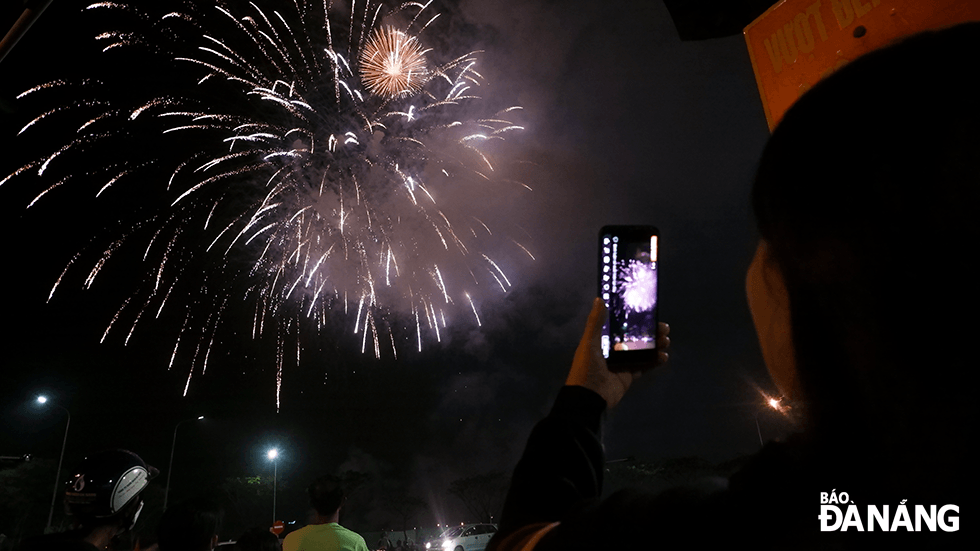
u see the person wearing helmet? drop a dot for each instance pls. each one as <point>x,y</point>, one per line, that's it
<point>103,498</point>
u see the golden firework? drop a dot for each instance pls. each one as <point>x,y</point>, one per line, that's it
<point>392,63</point>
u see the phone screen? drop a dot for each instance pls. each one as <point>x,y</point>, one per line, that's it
<point>628,286</point>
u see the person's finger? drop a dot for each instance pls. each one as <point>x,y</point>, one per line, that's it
<point>597,318</point>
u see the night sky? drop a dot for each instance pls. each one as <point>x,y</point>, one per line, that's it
<point>625,124</point>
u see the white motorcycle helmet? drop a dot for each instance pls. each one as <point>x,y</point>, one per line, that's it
<point>107,484</point>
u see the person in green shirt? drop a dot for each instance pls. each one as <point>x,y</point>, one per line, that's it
<point>325,534</point>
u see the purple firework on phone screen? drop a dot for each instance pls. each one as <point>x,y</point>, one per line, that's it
<point>639,285</point>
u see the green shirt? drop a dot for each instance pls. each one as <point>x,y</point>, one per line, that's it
<point>324,537</point>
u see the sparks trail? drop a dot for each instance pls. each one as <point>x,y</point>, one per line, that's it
<point>300,167</point>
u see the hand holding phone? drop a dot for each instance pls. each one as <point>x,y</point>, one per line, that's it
<point>590,369</point>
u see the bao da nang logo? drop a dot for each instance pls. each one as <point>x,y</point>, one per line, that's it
<point>839,514</point>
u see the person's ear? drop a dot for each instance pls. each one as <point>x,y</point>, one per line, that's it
<point>769,305</point>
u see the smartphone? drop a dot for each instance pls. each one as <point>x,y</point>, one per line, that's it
<point>628,285</point>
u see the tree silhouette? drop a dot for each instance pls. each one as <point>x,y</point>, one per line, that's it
<point>408,509</point>
<point>250,498</point>
<point>483,494</point>
<point>25,498</point>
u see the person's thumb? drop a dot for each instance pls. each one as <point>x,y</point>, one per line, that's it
<point>597,318</point>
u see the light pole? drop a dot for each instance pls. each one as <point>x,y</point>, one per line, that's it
<point>773,403</point>
<point>57,474</point>
<point>273,455</point>
<point>170,468</point>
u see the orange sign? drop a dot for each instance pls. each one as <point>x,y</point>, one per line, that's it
<point>797,42</point>
<point>277,527</point>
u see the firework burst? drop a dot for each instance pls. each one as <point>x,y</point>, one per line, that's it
<point>289,178</point>
<point>392,64</point>
<point>639,285</point>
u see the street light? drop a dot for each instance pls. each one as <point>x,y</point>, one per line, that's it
<point>273,455</point>
<point>57,474</point>
<point>170,468</point>
<point>774,404</point>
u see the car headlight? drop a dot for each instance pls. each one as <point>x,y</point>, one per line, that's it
<point>428,545</point>
<point>448,544</point>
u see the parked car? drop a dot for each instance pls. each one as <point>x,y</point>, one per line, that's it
<point>469,537</point>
